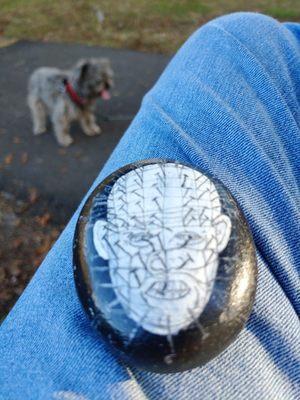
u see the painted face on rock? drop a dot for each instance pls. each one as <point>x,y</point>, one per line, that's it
<point>162,238</point>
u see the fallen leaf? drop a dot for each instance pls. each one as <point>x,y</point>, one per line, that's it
<point>16,268</point>
<point>8,159</point>
<point>33,195</point>
<point>16,140</point>
<point>54,234</point>
<point>43,220</point>
<point>24,158</point>
<point>17,243</point>
<point>45,247</point>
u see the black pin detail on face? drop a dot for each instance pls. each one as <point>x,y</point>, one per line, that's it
<point>157,261</point>
<point>162,237</point>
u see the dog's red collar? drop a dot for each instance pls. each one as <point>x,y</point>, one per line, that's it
<point>78,100</point>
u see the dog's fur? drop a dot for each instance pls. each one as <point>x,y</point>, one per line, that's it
<point>47,95</point>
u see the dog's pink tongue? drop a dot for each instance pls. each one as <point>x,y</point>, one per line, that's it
<point>105,94</point>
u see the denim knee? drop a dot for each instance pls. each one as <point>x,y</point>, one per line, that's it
<point>249,27</point>
<point>257,32</point>
<point>246,20</point>
<point>244,44</point>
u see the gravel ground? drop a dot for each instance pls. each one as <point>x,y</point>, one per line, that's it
<point>25,238</point>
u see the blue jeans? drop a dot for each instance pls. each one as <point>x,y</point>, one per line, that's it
<point>228,103</point>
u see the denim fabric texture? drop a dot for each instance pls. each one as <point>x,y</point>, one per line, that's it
<point>228,103</point>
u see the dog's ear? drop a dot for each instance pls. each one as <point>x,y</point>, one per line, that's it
<point>82,68</point>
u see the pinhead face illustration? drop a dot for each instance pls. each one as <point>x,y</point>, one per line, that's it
<point>164,265</point>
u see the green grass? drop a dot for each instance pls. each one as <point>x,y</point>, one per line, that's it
<point>151,25</point>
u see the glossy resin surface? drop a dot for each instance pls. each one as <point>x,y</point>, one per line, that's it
<point>164,265</point>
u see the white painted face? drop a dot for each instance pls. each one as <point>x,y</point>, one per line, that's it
<point>163,234</point>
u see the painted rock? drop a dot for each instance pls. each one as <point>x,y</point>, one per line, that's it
<point>164,265</point>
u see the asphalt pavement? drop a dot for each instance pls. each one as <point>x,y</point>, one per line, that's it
<point>29,163</point>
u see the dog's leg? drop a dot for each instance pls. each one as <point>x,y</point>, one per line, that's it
<point>88,124</point>
<point>61,125</point>
<point>38,112</point>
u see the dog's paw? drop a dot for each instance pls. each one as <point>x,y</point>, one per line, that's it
<point>39,131</point>
<point>65,141</point>
<point>93,130</point>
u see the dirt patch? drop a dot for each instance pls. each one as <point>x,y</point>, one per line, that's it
<point>25,238</point>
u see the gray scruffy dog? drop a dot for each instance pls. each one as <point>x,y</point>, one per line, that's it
<point>69,95</point>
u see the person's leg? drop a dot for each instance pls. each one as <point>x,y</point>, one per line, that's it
<point>228,103</point>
